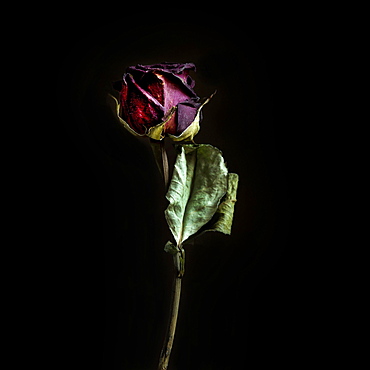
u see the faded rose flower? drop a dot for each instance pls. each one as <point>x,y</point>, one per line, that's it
<point>158,100</point>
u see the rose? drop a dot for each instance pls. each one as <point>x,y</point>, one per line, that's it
<point>158,100</point>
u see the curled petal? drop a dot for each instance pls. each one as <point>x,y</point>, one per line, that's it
<point>153,85</point>
<point>174,92</point>
<point>176,72</point>
<point>186,113</point>
<point>176,68</point>
<point>191,125</point>
<point>139,108</point>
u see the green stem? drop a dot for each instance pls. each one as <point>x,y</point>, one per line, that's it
<point>160,155</point>
<point>165,165</point>
<point>179,260</point>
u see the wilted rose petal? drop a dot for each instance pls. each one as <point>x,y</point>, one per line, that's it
<point>140,109</point>
<point>152,83</point>
<point>170,126</point>
<point>186,113</point>
<point>173,93</point>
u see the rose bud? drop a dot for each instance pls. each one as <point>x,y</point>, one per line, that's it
<point>158,100</point>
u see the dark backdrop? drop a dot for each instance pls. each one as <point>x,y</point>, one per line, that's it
<point>240,304</point>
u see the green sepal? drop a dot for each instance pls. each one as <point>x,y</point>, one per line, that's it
<point>171,248</point>
<point>113,102</point>
<point>155,132</point>
<point>178,254</point>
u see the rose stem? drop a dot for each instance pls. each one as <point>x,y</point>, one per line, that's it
<point>174,310</point>
<point>164,164</point>
<point>160,156</point>
<point>178,258</point>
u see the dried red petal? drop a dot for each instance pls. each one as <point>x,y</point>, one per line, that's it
<point>170,126</point>
<point>139,109</point>
<point>151,83</point>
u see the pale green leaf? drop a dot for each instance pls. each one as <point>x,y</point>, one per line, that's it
<point>198,184</point>
<point>223,218</point>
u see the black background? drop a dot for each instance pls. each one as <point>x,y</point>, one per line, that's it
<point>245,302</point>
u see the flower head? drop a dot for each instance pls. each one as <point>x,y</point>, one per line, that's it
<point>158,100</point>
